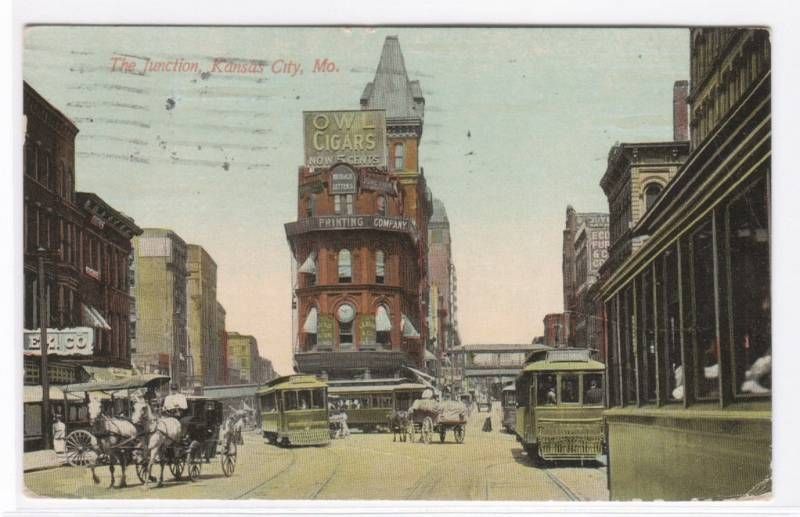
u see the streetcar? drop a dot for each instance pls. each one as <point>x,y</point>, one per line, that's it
<point>369,404</point>
<point>294,410</point>
<point>508,399</point>
<point>560,402</point>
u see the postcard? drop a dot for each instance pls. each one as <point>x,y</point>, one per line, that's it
<point>396,263</point>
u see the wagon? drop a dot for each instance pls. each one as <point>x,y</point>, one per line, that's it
<point>202,441</point>
<point>200,418</point>
<point>428,417</point>
<point>81,446</point>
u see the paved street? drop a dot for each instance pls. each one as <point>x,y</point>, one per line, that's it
<point>488,466</point>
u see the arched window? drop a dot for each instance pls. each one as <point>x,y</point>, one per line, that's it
<point>399,157</point>
<point>380,205</point>
<point>383,326</point>
<point>310,328</point>
<point>380,267</point>
<point>651,193</point>
<point>345,267</point>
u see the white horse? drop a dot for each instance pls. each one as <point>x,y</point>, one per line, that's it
<point>112,435</point>
<point>162,433</point>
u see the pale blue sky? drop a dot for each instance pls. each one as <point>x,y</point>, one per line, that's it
<point>543,107</point>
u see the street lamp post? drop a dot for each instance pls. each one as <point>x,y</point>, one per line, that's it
<point>43,374</point>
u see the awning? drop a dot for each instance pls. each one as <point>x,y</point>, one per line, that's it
<point>107,373</point>
<point>429,356</point>
<point>408,328</point>
<point>34,394</point>
<point>129,383</point>
<point>308,266</point>
<point>310,326</point>
<point>93,318</point>
<point>382,321</point>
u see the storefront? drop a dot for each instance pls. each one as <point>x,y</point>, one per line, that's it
<point>688,338</point>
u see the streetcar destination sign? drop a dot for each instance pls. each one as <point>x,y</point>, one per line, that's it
<point>356,137</point>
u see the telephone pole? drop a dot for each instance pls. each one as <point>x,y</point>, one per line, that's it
<point>43,374</point>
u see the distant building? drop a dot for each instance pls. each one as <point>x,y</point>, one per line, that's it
<point>442,280</point>
<point>585,248</point>
<point>222,345</point>
<point>555,330</point>
<point>202,322</point>
<point>160,291</point>
<point>243,357</point>
<point>636,175</point>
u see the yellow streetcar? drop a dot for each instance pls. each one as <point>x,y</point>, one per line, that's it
<point>560,402</point>
<point>294,410</point>
<point>369,404</point>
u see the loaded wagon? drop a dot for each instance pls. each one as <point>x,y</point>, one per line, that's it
<point>428,417</point>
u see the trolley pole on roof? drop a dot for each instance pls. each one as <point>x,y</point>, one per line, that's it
<point>43,374</point>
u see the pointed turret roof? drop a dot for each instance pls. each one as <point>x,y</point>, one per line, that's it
<point>391,90</point>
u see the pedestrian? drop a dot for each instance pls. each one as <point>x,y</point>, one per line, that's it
<point>487,424</point>
<point>59,435</point>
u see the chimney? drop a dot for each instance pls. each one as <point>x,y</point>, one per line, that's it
<point>680,111</point>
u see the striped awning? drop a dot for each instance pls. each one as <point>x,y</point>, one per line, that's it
<point>310,326</point>
<point>308,266</point>
<point>408,328</point>
<point>92,318</point>
<point>382,321</point>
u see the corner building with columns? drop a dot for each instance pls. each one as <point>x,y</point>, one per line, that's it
<point>360,239</point>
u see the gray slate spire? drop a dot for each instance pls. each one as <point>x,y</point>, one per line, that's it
<point>391,90</point>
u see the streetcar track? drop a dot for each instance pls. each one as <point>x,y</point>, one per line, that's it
<point>280,472</point>
<point>321,487</point>
<point>486,474</point>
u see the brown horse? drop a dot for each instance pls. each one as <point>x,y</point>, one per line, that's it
<point>398,423</point>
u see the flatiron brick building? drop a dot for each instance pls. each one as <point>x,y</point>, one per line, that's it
<point>360,242</point>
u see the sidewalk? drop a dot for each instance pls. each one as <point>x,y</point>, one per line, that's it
<point>41,460</point>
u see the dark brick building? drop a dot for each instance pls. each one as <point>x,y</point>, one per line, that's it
<point>88,244</point>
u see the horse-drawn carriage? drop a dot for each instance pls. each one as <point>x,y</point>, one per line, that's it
<point>427,417</point>
<point>125,429</point>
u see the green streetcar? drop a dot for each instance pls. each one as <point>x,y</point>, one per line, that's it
<point>369,404</point>
<point>560,403</point>
<point>294,410</point>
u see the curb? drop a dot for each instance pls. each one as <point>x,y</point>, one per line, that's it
<point>43,467</point>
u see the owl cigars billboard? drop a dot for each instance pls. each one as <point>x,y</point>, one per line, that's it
<point>356,137</point>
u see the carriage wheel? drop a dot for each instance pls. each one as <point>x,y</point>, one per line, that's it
<point>228,459</point>
<point>194,470</point>
<point>427,430</point>
<point>177,466</point>
<point>141,469</point>
<point>459,433</point>
<point>81,449</point>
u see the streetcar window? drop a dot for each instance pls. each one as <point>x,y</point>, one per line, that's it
<point>593,389</point>
<point>303,399</point>
<point>546,390</point>
<point>268,403</point>
<point>317,399</point>
<point>289,400</point>
<point>569,389</point>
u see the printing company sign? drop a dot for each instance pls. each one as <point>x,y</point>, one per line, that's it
<point>353,222</point>
<point>74,341</point>
<point>356,137</point>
